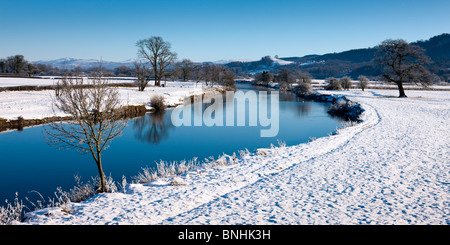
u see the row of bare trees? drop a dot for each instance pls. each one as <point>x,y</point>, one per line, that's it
<point>160,58</point>
<point>285,78</point>
<point>18,65</point>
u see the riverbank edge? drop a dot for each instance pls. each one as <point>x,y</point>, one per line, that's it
<point>341,106</point>
<point>125,112</point>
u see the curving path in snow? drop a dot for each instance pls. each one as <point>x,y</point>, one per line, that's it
<point>393,168</point>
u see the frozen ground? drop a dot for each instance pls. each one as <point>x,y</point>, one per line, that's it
<point>393,168</point>
<point>37,104</point>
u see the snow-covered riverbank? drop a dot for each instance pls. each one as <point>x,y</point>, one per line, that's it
<point>393,168</point>
<point>38,104</point>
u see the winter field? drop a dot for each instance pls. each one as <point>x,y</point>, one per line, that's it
<point>392,168</point>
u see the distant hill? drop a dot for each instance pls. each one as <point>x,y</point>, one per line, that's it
<point>354,62</point>
<point>437,47</point>
<point>70,63</point>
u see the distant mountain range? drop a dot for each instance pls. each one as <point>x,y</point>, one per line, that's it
<point>348,63</point>
<point>70,63</point>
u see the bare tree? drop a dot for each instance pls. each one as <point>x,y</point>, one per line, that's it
<point>209,73</point>
<point>158,53</point>
<point>93,124</point>
<point>285,79</point>
<point>346,83</point>
<point>185,69</point>
<point>142,74</point>
<point>363,82</point>
<point>403,62</point>
<point>19,63</point>
<point>303,89</point>
<point>303,77</point>
<point>227,80</point>
<point>13,64</point>
<point>31,69</point>
<point>3,65</point>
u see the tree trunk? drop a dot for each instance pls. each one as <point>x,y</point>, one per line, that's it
<point>155,67</point>
<point>401,90</point>
<point>100,173</point>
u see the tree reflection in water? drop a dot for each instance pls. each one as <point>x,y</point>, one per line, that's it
<point>152,128</point>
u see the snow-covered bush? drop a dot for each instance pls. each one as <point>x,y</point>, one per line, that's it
<point>363,82</point>
<point>12,212</point>
<point>82,191</point>
<point>346,83</point>
<point>345,108</point>
<point>303,89</point>
<point>333,84</point>
<point>157,102</point>
<point>165,169</point>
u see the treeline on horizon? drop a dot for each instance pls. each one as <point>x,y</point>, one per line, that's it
<point>18,66</point>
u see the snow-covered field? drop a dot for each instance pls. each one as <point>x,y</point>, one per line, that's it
<point>38,104</point>
<point>52,80</point>
<point>393,168</point>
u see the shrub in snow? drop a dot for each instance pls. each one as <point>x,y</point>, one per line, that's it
<point>165,169</point>
<point>157,102</point>
<point>12,212</point>
<point>363,82</point>
<point>346,83</point>
<point>243,153</point>
<point>345,108</point>
<point>333,84</point>
<point>303,89</point>
<point>341,107</point>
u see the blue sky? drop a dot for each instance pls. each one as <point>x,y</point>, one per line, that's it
<point>212,30</point>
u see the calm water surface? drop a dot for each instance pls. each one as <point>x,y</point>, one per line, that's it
<point>29,164</point>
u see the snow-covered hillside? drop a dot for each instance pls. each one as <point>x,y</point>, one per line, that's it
<point>275,60</point>
<point>393,168</point>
